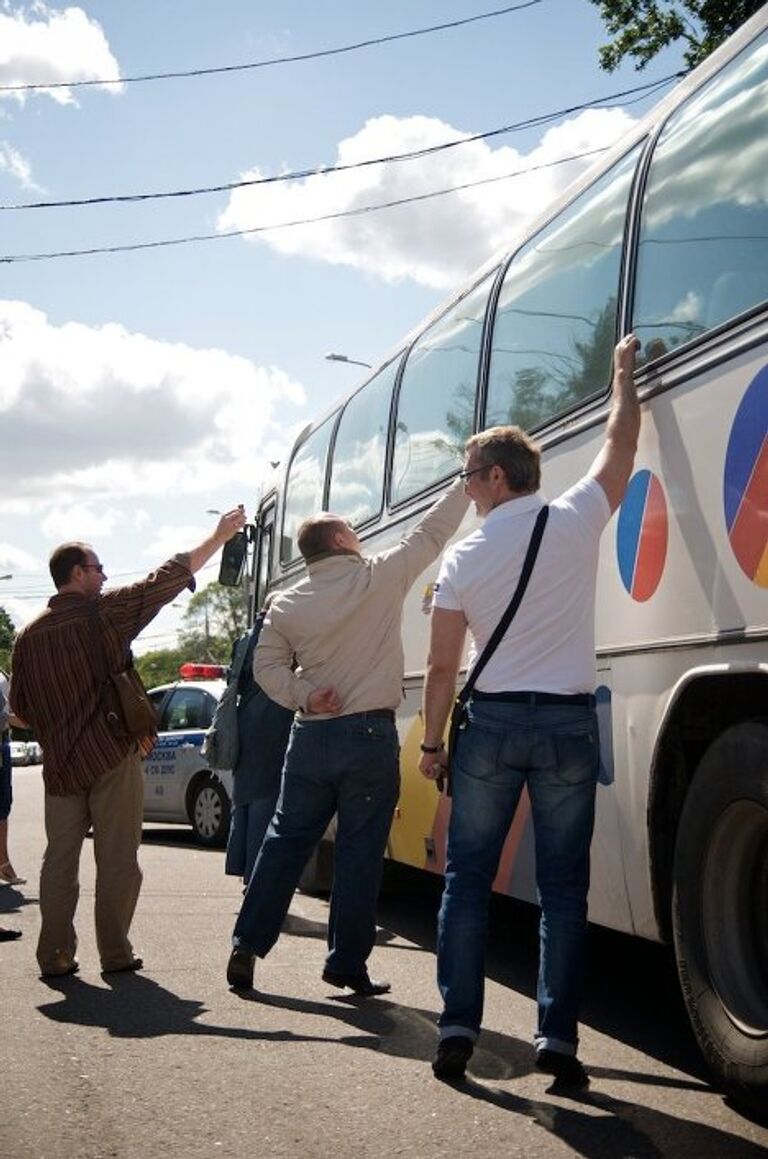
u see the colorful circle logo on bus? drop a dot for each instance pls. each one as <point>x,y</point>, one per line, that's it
<point>745,482</point>
<point>641,537</point>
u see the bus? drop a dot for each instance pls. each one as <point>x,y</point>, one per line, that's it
<point>666,237</point>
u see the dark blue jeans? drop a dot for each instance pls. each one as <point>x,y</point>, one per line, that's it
<point>554,750</point>
<point>347,766</point>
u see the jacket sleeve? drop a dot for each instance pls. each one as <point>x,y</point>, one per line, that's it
<point>423,543</point>
<point>273,671</point>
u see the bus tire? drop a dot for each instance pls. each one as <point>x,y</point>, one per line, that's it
<point>720,910</point>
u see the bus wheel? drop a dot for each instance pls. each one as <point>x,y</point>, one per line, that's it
<point>209,810</point>
<point>720,910</point>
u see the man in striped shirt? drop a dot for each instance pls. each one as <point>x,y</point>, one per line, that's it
<point>92,777</point>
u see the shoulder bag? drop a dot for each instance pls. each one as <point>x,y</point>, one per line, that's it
<point>128,710</point>
<point>459,711</point>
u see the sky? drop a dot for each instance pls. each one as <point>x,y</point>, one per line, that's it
<point>140,390</point>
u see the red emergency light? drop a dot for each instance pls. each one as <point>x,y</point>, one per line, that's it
<point>191,671</point>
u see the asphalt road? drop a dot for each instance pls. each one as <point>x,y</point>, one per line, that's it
<point>170,1063</point>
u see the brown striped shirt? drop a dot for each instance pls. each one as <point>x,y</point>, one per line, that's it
<point>55,685</point>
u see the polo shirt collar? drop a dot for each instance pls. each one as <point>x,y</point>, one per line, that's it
<point>514,507</point>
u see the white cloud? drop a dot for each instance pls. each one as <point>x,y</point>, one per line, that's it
<point>78,521</point>
<point>11,161</point>
<point>436,242</point>
<point>39,44</point>
<point>15,559</point>
<point>100,415</point>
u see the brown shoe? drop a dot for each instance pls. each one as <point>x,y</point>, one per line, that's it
<point>60,966</point>
<point>134,964</point>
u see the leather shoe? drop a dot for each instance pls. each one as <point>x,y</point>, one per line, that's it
<point>134,964</point>
<point>60,966</point>
<point>360,983</point>
<point>565,1067</point>
<point>240,969</point>
<point>9,935</point>
<point>453,1054</point>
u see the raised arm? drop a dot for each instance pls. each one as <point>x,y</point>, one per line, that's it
<point>613,465</point>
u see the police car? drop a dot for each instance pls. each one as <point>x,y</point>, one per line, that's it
<point>179,786</point>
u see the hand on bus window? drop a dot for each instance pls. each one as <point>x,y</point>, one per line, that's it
<point>323,700</point>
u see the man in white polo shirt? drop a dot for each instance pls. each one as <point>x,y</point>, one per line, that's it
<point>531,719</point>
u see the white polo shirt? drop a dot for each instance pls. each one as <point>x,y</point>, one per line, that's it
<point>550,644</point>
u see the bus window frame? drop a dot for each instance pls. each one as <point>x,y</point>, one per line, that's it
<point>368,523</point>
<point>437,484</point>
<point>699,342</point>
<point>333,415</point>
<point>634,200</point>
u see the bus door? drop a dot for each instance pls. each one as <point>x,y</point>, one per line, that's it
<point>263,553</point>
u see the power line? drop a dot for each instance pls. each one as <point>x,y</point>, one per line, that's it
<point>317,55</point>
<point>540,119</point>
<point>357,212</point>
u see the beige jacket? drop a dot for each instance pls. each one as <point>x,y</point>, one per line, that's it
<point>343,620</point>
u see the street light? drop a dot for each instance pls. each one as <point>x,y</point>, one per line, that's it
<point>343,358</point>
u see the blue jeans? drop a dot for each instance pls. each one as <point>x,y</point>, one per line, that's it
<point>348,766</point>
<point>554,750</point>
<point>246,833</point>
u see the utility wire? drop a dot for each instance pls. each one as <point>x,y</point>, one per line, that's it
<point>318,55</point>
<point>8,259</point>
<point>645,90</point>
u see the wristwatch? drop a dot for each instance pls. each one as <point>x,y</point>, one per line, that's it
<point>431,748</point>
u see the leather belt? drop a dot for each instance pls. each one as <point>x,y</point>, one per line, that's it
<point>583,699</point>
<point>384,713</point>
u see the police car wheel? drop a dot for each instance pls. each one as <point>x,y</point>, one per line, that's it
<point>209,810</point>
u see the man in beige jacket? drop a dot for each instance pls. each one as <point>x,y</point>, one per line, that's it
<point>342,622</point>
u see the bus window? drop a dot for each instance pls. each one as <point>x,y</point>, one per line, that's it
<point>555,325</point>
<point>703,249</point>
<point>305,486</point>
<point>360,448</point>
<point>436,404</point>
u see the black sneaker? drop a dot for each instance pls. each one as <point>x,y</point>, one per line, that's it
<point>453,1054</point>
<point>565,1067</point>
<point>240,969</point>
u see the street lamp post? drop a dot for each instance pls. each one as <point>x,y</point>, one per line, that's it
<point>343,358</point>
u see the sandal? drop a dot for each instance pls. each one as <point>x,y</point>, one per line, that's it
<point>9,876</point>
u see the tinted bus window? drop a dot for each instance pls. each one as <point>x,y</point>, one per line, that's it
<point>436,404</point>
<point>555,325</point>
<point>703,249</point>
<point>359,453</point>
<point>305,486</point>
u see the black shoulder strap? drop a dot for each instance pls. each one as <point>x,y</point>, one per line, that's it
<point>514,604</point>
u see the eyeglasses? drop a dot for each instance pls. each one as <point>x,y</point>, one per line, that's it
<point>93,567</point>
<point>468,474</point>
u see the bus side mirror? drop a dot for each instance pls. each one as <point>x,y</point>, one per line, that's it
<point>233,560</point>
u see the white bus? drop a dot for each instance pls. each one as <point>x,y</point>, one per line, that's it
<point>667,237</point>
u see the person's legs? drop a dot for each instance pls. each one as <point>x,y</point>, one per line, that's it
<point>260,813</point>
<point>562,791</point>
<point>487,779</point>
<point>66,824</point>
<point>307,803</point>
<point>116,806</point>
<point>234,862</point>
<point>367,754</point>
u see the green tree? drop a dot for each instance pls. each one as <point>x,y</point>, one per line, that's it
<point>7,636</point>
<point>214,618</point>
<point>160,666</point>
<point>642,28</point>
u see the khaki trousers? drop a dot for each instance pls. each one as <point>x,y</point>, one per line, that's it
<point>114,807</point>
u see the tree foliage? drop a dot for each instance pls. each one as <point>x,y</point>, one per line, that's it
<point>642,28</point>
<point>7,636</point>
